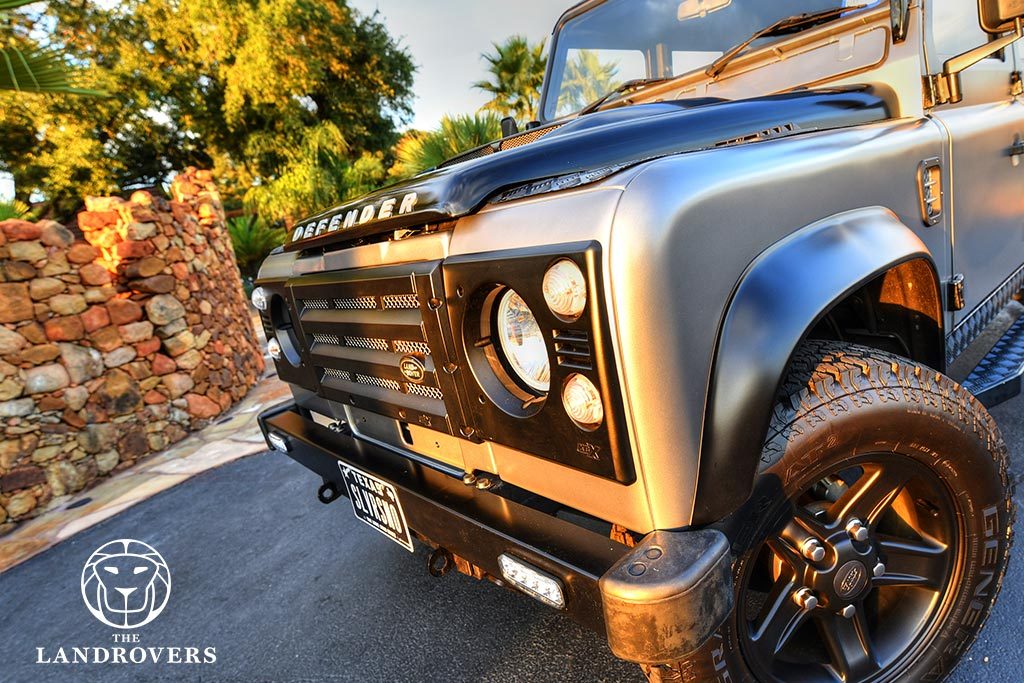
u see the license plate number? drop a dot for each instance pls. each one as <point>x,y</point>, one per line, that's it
<point>376,503</point>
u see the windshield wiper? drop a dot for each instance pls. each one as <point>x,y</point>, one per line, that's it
<point>628,86</point>
<point>779,28</point>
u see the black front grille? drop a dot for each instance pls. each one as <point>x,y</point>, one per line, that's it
<point>359,329</point>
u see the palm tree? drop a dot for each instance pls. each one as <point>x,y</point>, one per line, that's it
<point>419,151</point>
<point>516,75</point>
<point>26,67</point>
<point>586,79</point>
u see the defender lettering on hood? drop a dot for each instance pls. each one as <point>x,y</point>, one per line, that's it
<point>388,207</point>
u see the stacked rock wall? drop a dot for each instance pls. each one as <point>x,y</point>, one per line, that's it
<point>118,345</point>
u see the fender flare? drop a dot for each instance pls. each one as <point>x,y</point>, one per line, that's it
<point>784,292</point>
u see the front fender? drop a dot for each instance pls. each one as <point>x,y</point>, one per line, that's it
<point>779,299</point>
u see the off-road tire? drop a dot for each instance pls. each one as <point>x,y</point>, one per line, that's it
<point>840,400</point>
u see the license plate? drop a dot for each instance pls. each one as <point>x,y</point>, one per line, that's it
<point>376,503</point>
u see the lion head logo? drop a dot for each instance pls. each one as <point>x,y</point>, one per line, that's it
<point>126,584</point>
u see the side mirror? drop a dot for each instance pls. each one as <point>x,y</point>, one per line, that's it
<point>999,16</point>
<point>952,69</point>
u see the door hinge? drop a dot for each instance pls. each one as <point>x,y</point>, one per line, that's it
<point>956,300</point>
<point>937,90</point>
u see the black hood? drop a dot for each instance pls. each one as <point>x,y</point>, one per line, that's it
<point>610,139</point>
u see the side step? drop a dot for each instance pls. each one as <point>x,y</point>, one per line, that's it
<point>997,378</point>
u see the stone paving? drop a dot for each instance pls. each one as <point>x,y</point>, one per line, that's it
<point>234,436</point>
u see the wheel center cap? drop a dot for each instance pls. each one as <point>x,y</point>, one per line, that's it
<point>850,579</point>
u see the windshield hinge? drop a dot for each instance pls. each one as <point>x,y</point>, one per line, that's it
<point>937,90</point>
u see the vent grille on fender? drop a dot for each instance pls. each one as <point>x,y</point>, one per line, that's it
<point>375,343</point>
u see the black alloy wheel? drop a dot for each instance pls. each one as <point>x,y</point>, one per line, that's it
<point>877,536</point>
<point>855,576</point>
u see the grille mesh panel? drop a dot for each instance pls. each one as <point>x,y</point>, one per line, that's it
<point>332,339</point>
<point>363,303</point>
<point>401,301</point>
<point>412,347</point>
<point>425,392</point>
<point>355,329</point>
<point>379,382</point>
<point>334,373</point>
<point>317,304</point>
<point>364,343</point>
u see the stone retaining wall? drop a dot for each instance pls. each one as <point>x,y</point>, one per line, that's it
<point>118,345</point>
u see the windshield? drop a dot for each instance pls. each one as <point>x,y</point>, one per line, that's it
<point>623,40</point>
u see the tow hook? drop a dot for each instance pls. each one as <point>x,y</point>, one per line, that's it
<point>440,563</point>
<point>327,493</point>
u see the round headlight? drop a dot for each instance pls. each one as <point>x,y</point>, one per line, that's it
<point>274,348</point>
<point>260,299</point>
<point>522,342</point>
<point>565,289</point>
<point>583,402</point>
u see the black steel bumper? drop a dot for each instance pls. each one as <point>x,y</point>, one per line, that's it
<point>655,603</point>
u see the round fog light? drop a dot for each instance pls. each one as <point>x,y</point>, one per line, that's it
<point>274,349</point>
<point>583,402</point>
<point>565,289</point>
<point>260,299</point>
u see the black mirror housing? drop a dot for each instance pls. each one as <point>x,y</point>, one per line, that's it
<point>998,16</point>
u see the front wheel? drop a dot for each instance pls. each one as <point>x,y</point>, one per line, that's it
<point>878,533</point>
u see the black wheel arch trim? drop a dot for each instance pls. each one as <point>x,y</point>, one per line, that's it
<point>782,295</point>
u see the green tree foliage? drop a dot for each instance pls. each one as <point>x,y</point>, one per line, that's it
<point>311,175</point>
<point>419,151</point>
<point>239,86</point>
<point>586,79</point>
<point>253,238</point>
<point>516,74</point>
<point>25,66</point>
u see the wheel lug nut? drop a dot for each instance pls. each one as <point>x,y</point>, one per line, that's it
<point>813,550</point>
<point>806,599</point>
<point>857,530</point>
<point>879,570</point>
<point>848,612</point>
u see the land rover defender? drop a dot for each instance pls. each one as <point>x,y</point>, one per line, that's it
<point>703,357</point>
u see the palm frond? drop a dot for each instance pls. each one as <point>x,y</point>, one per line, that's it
<point>37,71</point>
<point>14,4</point>
<point>14,209</point>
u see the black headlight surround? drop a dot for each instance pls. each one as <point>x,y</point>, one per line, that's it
<point>521,419</point>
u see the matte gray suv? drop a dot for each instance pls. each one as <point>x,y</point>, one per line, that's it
<point>702,358</point>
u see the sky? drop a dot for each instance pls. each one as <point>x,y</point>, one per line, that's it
<point>446,39</point>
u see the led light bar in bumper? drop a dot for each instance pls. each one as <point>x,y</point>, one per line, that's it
<point>532,581</point>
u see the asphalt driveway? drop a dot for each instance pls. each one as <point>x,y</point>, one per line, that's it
<point>287,589</point>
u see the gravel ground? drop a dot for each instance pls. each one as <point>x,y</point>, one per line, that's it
<point>286,589</point>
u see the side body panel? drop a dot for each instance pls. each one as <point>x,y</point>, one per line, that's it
<point>986,198</point>
<point>686,231</point>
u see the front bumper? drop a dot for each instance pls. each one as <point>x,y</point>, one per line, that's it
<point>655,603</point>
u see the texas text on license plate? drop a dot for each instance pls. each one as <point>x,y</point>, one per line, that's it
<point>376,503</point>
